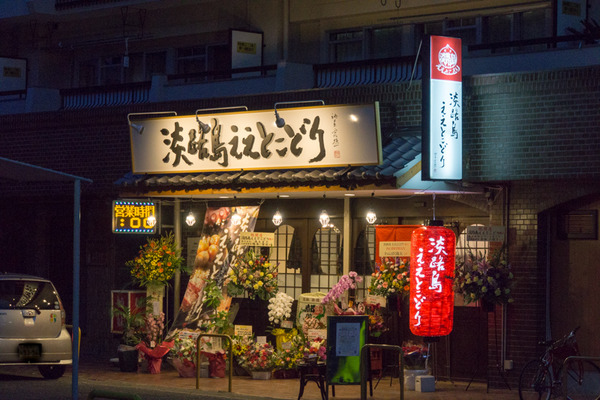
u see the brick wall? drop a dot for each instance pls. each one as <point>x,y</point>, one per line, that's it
<point>542,125</point>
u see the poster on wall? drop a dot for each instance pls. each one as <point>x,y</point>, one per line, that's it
<point>246,51</point>
<point>131,301</point>
<point>13,75</point>
<point>218,246</point>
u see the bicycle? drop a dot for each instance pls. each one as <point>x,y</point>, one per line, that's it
<point>541,378</point>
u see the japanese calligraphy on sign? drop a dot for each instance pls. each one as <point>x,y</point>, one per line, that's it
<point>311,137</point>
<point>394,249</point>
<point>442,105</point>
<point>261,239</point>
<point>432,270</point>
<point>478,233</point>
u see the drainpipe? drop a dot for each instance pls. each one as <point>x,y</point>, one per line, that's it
<point>177,277</point>
<point>285,28</point>
<point>347,237</point>
<point>505,212</point>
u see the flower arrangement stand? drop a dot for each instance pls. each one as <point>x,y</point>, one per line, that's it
<point>313,372</point>
<point>156,294</point>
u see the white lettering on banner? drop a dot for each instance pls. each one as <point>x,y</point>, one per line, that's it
<point>311,137</point>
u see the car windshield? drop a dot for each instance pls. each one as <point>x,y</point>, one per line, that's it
<point>28,294</point>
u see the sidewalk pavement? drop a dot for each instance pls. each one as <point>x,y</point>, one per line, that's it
<point>168,385</point>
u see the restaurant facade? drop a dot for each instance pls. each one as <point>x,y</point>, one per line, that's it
<point>530,164</point>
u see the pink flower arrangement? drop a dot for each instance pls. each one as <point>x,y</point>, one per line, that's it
<point>346,282</point>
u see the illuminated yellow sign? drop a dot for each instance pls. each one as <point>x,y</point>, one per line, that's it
<point>133,216</point>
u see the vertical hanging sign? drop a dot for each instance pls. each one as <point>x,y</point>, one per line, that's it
<point>432,257</point>
<point>442,109</point>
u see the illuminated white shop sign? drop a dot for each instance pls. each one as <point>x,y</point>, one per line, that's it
<point>312,137</point>
<point>442,109</point>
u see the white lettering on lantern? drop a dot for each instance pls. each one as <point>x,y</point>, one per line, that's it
<point>419,298</point>
<point>437,263</point>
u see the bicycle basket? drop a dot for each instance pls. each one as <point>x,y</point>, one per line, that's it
<point>563,348</point>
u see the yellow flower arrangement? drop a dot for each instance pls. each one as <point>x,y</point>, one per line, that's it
<point>157,261</point>
<point>255,275</point>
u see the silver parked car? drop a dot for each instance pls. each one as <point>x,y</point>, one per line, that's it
<point>32,325</point>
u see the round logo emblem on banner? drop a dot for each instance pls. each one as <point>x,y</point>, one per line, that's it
<point>448,61</point>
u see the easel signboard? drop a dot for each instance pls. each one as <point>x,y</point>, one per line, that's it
<point>346,335</point>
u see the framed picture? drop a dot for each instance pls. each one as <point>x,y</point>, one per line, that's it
<point>132,299</point>
<point>580,224</point>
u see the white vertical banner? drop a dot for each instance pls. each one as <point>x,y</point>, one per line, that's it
<point>442,109</point>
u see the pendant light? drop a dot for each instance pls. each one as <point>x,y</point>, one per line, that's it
<point>371,216</point>
<point>324,217</point>
<point>190,219</point>
<point>236,219</point>
<point>277,218</point>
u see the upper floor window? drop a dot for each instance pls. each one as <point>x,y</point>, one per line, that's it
<point>346,46</point>
<point>403,40</point>
<point>191,60</point>
<point>111,70</point>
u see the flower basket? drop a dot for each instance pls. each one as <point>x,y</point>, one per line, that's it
<point>259,358</point>
<point>185,368</point>
<point>390,278</point>
<point>263,375</point>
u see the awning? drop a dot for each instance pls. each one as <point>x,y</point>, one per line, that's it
<point>18,171</point>
<point>400,171</point>
<point>397,154</point>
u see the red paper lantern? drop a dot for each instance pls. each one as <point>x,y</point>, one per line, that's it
<point>432,250</point>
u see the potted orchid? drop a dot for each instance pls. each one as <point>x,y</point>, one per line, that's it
<point>346,282</point>
<point>280,312</point>
<point>152,345</point>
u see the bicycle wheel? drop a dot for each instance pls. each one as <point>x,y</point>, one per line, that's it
<point>582,380</point>
<point>535,381</point>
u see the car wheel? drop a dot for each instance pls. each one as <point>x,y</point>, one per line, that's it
<point>52,371</point>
